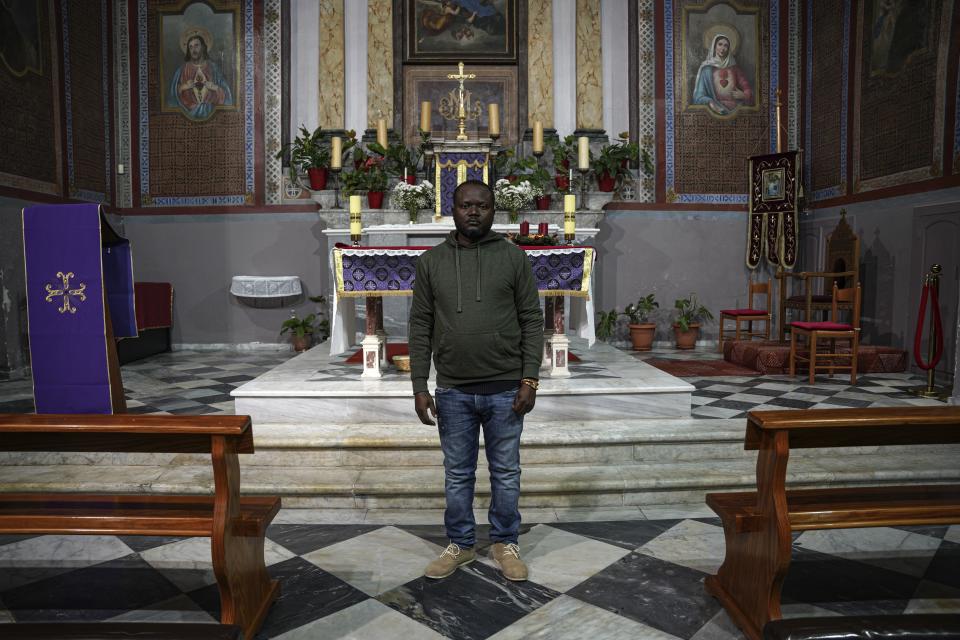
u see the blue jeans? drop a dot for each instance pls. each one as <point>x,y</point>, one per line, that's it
<point>460,417</point>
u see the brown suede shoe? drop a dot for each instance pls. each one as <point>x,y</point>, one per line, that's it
<point>451,558</point>
<point>507,556</point>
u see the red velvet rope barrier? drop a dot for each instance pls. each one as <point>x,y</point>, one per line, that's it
<point>931,291</point>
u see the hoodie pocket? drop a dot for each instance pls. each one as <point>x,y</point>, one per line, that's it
<point>476,355</point>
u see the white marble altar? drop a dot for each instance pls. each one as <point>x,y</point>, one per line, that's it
<point>343,327</point>
<point>605,384</point>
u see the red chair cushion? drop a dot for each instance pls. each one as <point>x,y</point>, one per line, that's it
<point>822,326</point>
<point>744,312</point>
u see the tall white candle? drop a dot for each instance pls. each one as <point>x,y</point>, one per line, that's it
<point>493,113</point>
<point>336,152</point>
<point>583,153</point>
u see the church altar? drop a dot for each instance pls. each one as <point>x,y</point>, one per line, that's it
<point>375,272</point>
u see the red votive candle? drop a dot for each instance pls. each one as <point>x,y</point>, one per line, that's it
<point>524,228</point>
<point>543,229</point>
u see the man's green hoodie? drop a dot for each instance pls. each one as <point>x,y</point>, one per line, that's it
<point>476,309</point>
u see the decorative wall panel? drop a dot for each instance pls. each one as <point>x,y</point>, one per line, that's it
<point>331,87</point>
<point>589,66</point>
<point>121,65</point>
<point>272,102</point>
<point>900,88</point>
<point>793,61</point>
<point>86,85</point>
<point>827,66</point>
<point>30,113</point>
<point>196,142</point>
<point>722,67</point>
<point>646,23</point>
<point>540,63</point>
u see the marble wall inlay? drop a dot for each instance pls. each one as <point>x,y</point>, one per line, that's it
<point>540,63</point>
<point>331,86</point>
<point>121,61</point>
<point>273,91</point>
<point>589,66</point>
<point>648,106</point>
<point>379,61</point>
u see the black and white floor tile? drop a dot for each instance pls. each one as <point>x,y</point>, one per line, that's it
<point>618,578</point>
<point>201,382</point>
<point>621,579</point>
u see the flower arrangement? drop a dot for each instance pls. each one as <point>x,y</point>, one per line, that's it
<point>513,197</point>
<point>412,197</point>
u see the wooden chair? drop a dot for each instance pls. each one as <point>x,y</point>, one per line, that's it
<point>841,266</point>
<point>750,314</point>
<point>833,330</point>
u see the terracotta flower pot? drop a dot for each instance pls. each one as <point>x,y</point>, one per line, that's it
<point>543,203</point>
<point>375,199</point>
<point>686,339</point>
<point>562,181</point>
<point>605,182</point>
<point>318,178</point>
<point>300,343</point>
<point>642,335</point>
<point>411,178</point>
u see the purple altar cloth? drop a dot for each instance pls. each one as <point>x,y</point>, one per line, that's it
<point>384,271</point>
<point>64,260</point>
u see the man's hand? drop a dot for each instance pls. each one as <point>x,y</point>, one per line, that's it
<point>524,400</point>
<point>423,402</point>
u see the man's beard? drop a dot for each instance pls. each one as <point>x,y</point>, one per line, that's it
<point>473,233</point>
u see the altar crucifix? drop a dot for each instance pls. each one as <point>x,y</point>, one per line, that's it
<point>461,109</point>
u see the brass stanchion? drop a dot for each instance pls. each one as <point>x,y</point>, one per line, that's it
<point>931,284</point>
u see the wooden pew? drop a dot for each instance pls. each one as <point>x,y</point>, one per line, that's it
<point>757,524</point>
<point>236,525</point>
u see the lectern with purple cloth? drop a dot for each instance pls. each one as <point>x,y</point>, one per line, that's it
<point>79,276</point>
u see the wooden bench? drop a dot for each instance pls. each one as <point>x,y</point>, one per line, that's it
<point>236,525</point>
<point>757,524</point>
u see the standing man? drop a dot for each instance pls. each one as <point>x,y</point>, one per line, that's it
<point>476,311</point>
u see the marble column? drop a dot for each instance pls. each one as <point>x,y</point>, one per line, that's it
<point>331,82</point>
<point>540,63</point>
<point>589,68</point>
<point>564,57</point>
<point>379,62</point>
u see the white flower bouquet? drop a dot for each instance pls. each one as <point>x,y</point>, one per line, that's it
<point>513,197</point>
<point>412,197</point>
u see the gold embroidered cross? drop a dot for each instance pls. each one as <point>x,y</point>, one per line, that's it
<point>66,292</point>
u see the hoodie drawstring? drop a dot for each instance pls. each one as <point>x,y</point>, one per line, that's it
<point>459,301</point>
<point>478,272</point>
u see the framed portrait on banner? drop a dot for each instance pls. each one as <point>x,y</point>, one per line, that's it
<point>775,190</point>
<point>478,31</point>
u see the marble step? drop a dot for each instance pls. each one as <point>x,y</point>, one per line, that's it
<point>380,445</point>
<point>410,444</point>
<point>543,485</point>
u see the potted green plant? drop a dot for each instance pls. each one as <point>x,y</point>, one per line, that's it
<point>397,158</point>
<point>376,181</point>
<point>641,330</point>
<point>300,329</point>
<point>307,151</point>
<point>564,155</point>
<point>689,314</point>
<point>613,162</point>
<point>539,180</point>
<point>606,324</point>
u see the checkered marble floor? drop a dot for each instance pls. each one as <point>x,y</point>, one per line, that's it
<point>598,574</point>
<point>601,579</point>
